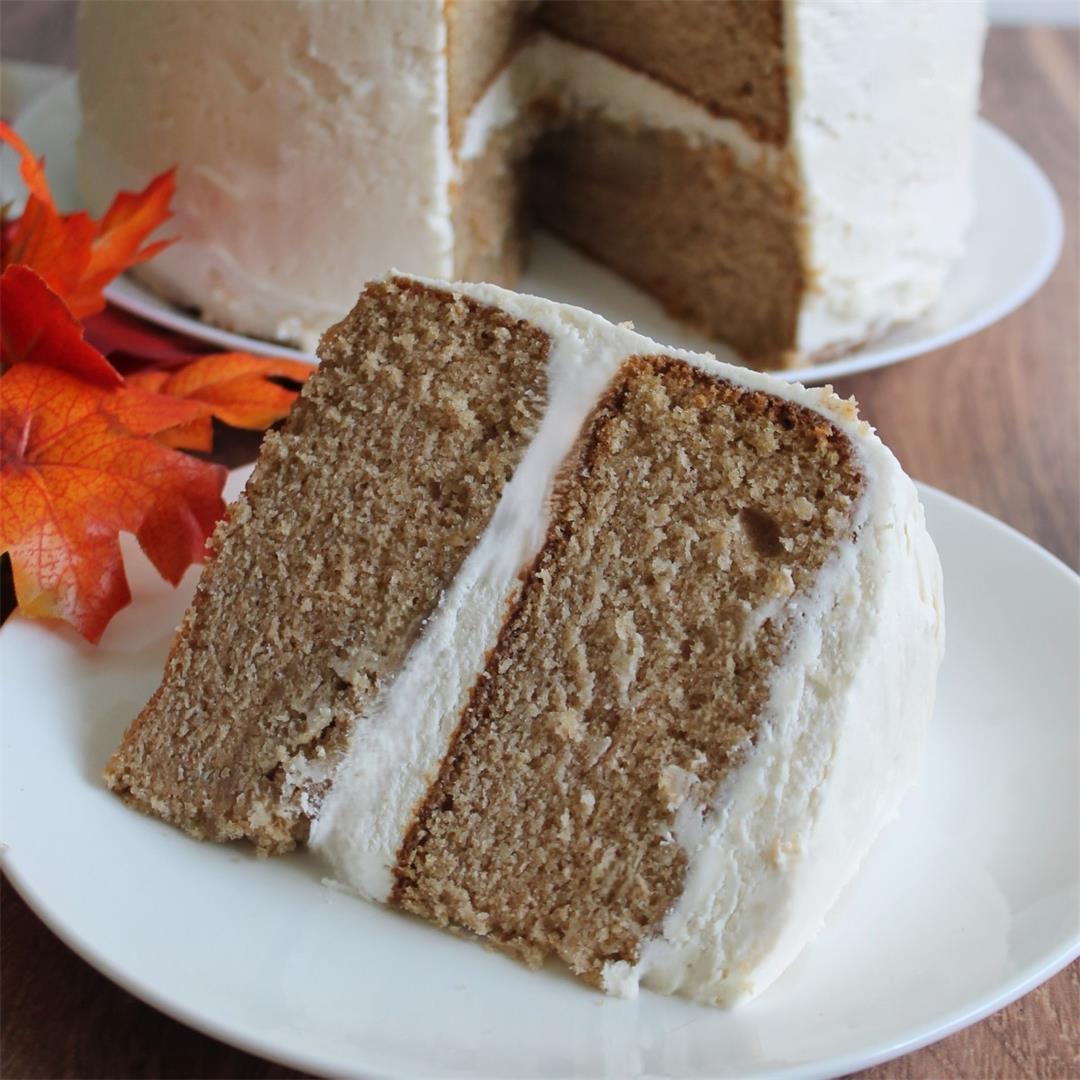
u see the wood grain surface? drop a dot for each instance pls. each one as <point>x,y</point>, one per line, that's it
<point>994,419</point>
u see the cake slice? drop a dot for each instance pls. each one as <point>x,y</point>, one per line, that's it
<point>539,630</point>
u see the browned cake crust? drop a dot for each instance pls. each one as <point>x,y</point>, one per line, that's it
<point>628,670</point>
<point>726,54</point>
<point>716,244</point>
<point>359,513</point>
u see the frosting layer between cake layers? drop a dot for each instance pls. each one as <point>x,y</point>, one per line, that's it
<point>282,222</point>
<point>838,742</point>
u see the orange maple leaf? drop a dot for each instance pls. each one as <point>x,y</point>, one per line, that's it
<point>236,388</point>
<point>79,465</point>
<point>55,245</point>
<point>76,255</point>
<point>119,240</point>
<point>30,169</point>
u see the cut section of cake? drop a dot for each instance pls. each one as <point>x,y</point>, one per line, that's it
<point>540,630</point>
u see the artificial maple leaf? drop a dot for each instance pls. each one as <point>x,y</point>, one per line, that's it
<point>75,255</point>
<point>237,388</point>
<point>37,328</point>
<point>79,465</point>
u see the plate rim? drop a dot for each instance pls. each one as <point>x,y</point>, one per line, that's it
<point>173,318</point>
<point>1026,979</point>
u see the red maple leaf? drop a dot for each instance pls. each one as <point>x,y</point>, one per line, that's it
<point>75,255</point>
<point>37,328</point>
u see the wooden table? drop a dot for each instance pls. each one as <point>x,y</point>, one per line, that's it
<point>994,420</point>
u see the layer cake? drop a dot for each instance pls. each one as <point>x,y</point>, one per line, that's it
<point>792,177</point>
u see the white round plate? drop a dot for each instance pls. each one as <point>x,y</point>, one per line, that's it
<point>968,901</point>
<point>1013,245</point>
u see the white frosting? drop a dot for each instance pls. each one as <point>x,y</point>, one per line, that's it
<point>312,140</point>
<point>282,221</point>
<point>841,735</point>
<point>883,99</point>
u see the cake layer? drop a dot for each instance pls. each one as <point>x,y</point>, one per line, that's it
<point>718,244</point>
<point>726,54</point>
<point>633,671</point>
<point>359,515</point>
